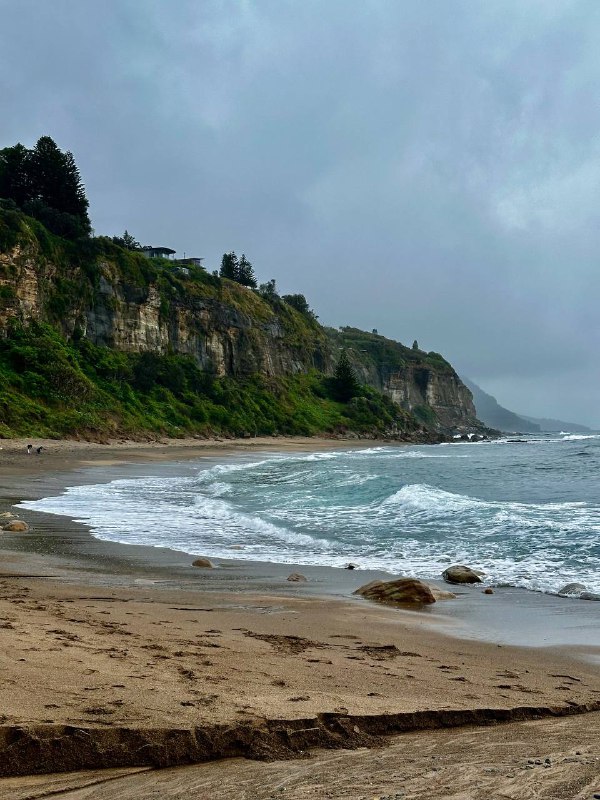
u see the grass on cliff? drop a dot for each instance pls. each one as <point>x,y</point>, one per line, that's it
<point>390,355</point>
<point>50,387</point>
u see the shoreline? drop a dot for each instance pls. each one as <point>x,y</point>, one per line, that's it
<point>516,616</point>
<point>147,640</point>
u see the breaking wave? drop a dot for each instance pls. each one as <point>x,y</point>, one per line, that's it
<point>527,517</point>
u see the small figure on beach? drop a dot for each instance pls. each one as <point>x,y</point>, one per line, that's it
<point>29,449</point>
<point>39,450</point>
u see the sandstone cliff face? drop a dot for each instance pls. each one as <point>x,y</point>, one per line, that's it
<point>227,329</point>
<point>444,392</point>
<point>219,336</point>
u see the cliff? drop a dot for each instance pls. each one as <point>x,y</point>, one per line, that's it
<point>100,298</point>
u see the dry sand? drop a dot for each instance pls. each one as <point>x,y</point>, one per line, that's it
<point>112,661</point>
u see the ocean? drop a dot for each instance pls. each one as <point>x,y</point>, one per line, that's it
<point>525,510</point>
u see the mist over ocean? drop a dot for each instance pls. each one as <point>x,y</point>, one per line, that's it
<point>525,510</point>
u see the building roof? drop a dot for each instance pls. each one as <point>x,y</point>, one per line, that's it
<point>166,250</point>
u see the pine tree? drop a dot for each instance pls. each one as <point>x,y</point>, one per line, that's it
<point>15,179</point>
<point>246,274</point>
<point>229,266</point>
<point>45,183</point>
<point>345,383</point>
<point>130,242</point>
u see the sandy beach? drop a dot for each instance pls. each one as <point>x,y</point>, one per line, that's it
<point>126,658</point>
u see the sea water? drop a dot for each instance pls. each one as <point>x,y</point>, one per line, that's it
<point>524,510</point>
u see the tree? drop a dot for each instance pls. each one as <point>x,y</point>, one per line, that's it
<point>345,383</point>
<point>127,241</point>
<point>229,266</point>
<point>45,183</point>
<point>268,290</point>
<point>300,303</point>
<point>15,179</point>
<point>245,273</point>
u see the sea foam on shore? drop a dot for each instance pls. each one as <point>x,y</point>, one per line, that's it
<point>526,513</point>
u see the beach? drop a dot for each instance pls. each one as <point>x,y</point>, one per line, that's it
<point>122,656</point>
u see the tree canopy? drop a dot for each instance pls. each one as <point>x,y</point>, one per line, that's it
<point>300,303</point>
<point>238,270</point>
<point>45,183</point>
<point>345,383</point>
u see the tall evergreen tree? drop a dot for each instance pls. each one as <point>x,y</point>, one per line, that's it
<point>345,383</point>
<point>56,179</point>
<point>45,183</point>
<point>15,178</point>
<point>246,274</point>
<point>229,266</point>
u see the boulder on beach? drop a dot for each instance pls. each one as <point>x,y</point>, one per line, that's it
<point>441,594</point>
<point>203,563</point>
<point>398,592</point>
<point>461,574</point>
<point>488,591</point>
<point>573,589</point>
<point>7,515</point>
<point>296,577</point>
<point>16,526</point>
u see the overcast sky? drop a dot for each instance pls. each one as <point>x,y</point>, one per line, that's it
<point>429,168</point>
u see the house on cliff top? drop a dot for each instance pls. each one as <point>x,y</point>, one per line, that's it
<point>182,264</point>
<point>158,252</point>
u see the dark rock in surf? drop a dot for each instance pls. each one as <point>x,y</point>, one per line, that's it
<point>573,589</point>
<point>296,577</point>
<point>461,574</point>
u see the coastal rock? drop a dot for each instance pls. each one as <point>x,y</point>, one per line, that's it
<point>296,577</point>
<point>461,574</point>
<point>441,594</point>
<point>488,591</point>
<point>589,596</point>
<point>16,526</point>
<point>7,515</point>
<point>203,563</point>
<point>351,566</point>
<point>398,592</point>
<point>573,589</point>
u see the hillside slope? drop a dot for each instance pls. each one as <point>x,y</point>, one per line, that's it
<point>97,339</point>
<point>496,416</point>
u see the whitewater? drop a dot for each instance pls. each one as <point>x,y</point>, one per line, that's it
<point>525,510</point>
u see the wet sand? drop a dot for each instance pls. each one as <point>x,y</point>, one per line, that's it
<point>110,638</point>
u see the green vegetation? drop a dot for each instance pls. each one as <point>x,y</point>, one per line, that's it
<point>239,270</point>
<point>55,381</point>
<point>344,382</point>
<point>51,387</point>
<point>300,303</point>
<point>391,356</point>
<point>45,183</point>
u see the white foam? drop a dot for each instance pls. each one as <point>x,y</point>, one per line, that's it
<point>331,508</point>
